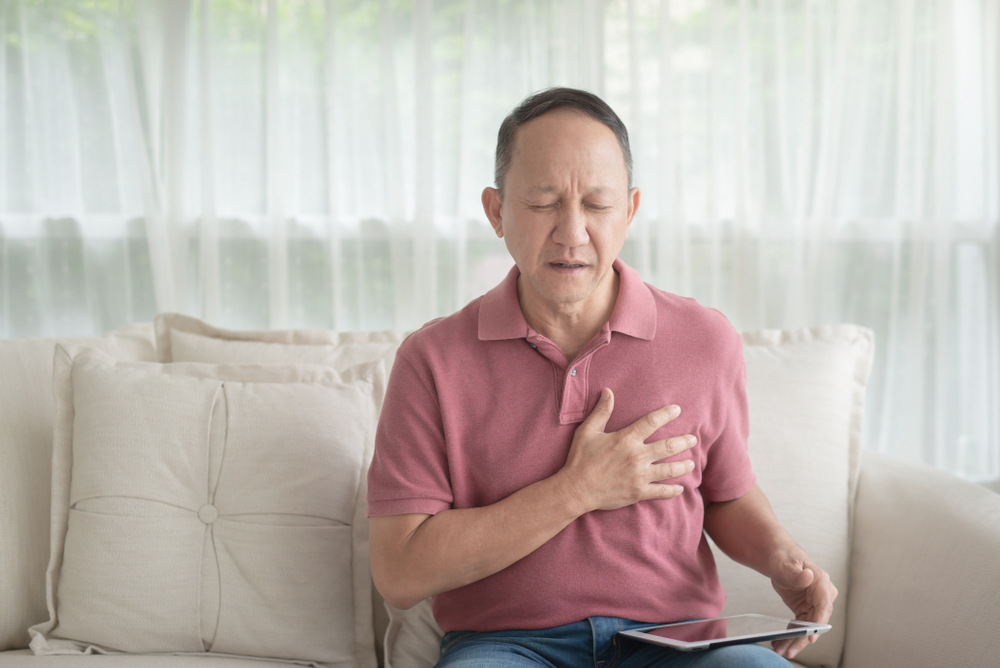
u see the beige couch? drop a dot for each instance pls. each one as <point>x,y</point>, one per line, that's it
<point>914,552</point>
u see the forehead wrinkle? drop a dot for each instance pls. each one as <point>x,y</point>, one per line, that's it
<point>596,190</point>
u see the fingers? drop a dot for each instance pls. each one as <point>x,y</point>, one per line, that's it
<point>670,470</point>
<point>657,490</point>
<point>672,446</point>
<point>798,576</point>
<point>793,573</point>
<point>814,583</point>
<point>815,598</point>
<point>650,422</point>
<point>793,646</point>
<point>598,418</point>
<point>825,593</point>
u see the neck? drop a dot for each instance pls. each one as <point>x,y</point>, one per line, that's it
<point>570,326</point>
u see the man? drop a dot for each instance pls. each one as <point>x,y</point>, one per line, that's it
<point>548,457</point>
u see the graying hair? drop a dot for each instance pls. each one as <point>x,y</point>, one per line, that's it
<point>548,100</point>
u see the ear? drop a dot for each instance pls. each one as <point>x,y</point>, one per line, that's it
<point>492,206</point>
<point>633,206</point>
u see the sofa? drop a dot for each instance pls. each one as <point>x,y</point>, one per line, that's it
<point>114,551</point>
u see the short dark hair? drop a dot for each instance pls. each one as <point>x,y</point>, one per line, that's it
<point>548,100</point>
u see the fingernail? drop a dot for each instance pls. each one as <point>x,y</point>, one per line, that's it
<point>675,410</point>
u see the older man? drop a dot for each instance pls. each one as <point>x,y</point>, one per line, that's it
<point>549,457</point>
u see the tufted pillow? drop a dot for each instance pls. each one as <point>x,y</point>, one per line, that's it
<point>182,338</point>
<point>210,509</point>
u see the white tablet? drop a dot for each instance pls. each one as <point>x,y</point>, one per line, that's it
<point>722,631</point>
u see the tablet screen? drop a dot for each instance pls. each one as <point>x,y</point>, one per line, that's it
<point>726,627</point>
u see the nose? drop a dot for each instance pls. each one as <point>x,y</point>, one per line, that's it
<point>571,228</point>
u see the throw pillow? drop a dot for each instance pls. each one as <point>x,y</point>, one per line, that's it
<point>181,338</point>
<point>210,509</point>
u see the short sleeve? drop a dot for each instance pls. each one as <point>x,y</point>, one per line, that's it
<point>728,474</point>
<point>409,470</point>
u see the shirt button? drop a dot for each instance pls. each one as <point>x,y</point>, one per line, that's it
<point>573,372</point>
<point>533,346</point>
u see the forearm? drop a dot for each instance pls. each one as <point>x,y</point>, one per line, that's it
<point>748,531</point>
<point>461,546</point>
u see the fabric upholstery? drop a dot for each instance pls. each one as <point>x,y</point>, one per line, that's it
<point>925,569</point>
<point>24,658</point>
<point>26,415</point>
<point>181,338</point>
<point>210,508</point>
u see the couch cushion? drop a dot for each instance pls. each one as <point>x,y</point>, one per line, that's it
<point>210,508</point>
<point>26,416</point>
<point>925,569</point>
<point>806,390</point>
<point>24,658</point>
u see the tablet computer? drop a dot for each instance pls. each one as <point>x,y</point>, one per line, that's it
<point>722,631</point>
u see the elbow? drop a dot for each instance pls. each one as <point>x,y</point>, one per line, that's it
<point>396,589</point>
<point>395,565</point>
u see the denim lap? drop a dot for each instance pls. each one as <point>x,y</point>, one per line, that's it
<point>592,642</point>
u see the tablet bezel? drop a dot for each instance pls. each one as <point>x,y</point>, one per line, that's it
<point>804,629</point>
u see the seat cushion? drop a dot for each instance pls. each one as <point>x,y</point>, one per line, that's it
<point>806,391</point>
<point>202,508</point>
<point>27,412</point>
<point>24,658</point>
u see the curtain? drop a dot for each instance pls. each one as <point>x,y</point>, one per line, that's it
<point>310,163</point>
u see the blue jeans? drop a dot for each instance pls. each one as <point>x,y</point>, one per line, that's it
<point>591,642</point>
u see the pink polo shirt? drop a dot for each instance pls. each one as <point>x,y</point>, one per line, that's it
<point>479,405</point>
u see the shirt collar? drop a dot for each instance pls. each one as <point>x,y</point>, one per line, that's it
<point>634,314</point>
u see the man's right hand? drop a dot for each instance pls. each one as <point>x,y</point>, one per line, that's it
<point>608,471</point>
<point>417,555</point>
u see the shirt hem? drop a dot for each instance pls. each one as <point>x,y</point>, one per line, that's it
<point>406,506</point>
<point>730,493</point>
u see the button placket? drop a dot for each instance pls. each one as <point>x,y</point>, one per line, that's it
<point>576,392</point>
<point>573,407</point>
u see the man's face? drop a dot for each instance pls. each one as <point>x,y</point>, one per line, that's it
<point>566,208</point>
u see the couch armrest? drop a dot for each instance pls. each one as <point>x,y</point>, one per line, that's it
<point>925,569</point>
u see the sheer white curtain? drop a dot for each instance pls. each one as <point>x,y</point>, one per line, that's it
<point>312,163</point>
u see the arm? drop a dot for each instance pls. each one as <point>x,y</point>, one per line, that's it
<point>747,530</point>
<point>414,556</point>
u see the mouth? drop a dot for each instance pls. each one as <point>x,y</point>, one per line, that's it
<point>567,265</point>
